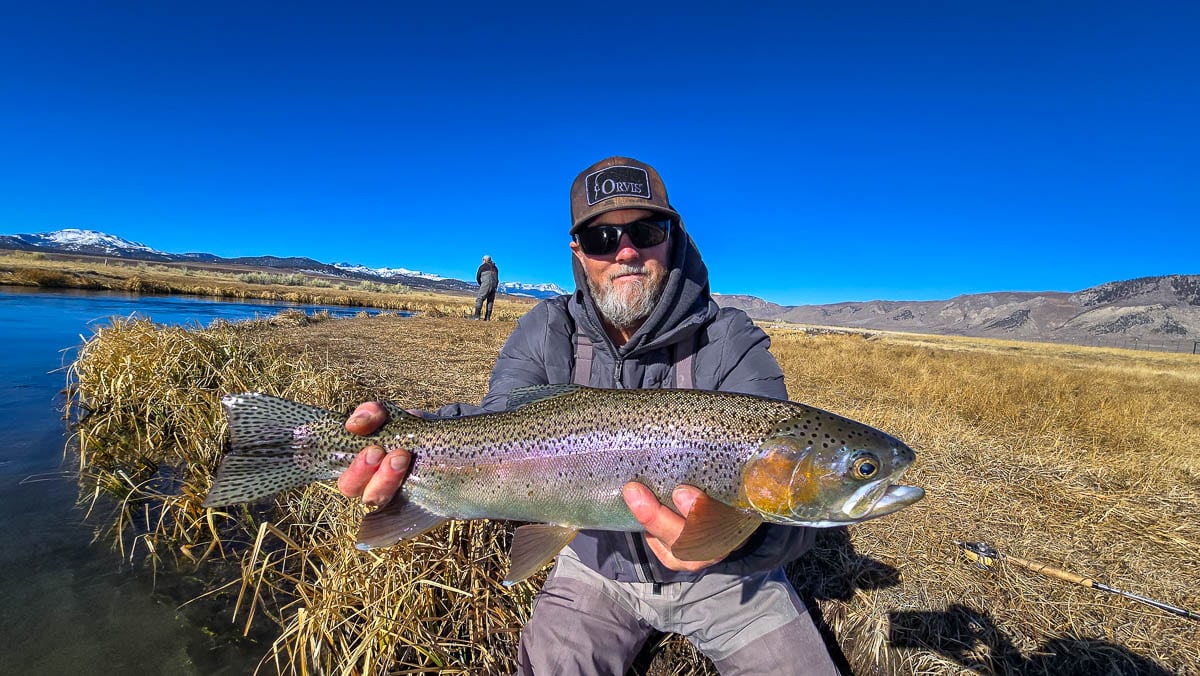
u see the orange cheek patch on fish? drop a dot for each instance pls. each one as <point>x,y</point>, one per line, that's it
<point>777,476</point>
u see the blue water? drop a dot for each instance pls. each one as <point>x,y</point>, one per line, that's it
<point>66,605</point>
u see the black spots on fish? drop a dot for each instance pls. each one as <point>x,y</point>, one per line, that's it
<point>824,430</point>
<point>255,417</point>
<point>245,478</point>
<point>595,437</point>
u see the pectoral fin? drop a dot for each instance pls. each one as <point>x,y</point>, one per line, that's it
<point>712,530</point>
<point>399,520</point>
<point>533,547</point>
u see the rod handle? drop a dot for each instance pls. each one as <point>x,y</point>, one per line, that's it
<point>1051,571</point>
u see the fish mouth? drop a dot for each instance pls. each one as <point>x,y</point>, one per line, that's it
<point>877,499</point>
<point>880,498</point>
<point>871,501</point>
<point>895,498</point>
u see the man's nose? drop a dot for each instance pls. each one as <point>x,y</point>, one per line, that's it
<point>626,251</point>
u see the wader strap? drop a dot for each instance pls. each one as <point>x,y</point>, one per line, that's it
<point>681,356</point>
<point>583,360</point>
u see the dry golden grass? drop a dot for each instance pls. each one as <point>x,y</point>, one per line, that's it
<point>1082,458</point>
<point>1086,459</point>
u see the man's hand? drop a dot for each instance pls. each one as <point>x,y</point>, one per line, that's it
<point>662,525</point>
<point>374,475</point>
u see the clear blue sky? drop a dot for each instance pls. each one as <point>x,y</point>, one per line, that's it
<point>819,152</point>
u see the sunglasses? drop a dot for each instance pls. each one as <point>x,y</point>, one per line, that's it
<point>601,240</point>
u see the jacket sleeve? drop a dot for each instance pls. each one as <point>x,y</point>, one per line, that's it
<point>521,363</point>
<point>746,364</point>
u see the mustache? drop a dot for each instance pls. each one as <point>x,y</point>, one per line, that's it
<point>626,269</point>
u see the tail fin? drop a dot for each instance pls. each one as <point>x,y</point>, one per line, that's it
<point>268,449</point>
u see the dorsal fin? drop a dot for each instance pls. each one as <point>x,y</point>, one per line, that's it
<point>396,413</point>
<point>523,396</point>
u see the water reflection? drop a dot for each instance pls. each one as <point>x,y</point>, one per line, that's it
<point>65,603</point>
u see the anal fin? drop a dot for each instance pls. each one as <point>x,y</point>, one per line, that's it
<point>396,521</point>
<point>712,530</point>
<point>533,547</point>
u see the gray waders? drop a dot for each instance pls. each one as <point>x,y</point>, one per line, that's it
<point>584,623</point>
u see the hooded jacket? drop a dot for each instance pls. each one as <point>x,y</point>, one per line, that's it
<point>730,354</point>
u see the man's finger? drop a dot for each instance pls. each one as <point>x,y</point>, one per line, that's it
<point>658,520</point>
<point>387,479</point>
<point>685,498</point>
<point>354,479</point>
<point>368,417</point>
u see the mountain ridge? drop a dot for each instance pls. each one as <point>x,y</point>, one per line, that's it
<point>1161,309</point>
<point>95,243</point>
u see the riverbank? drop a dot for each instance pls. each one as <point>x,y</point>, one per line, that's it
<point>56,271</point>
<point>1082,458</point>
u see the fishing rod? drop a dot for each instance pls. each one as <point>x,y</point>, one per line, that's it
<point>986,556</point>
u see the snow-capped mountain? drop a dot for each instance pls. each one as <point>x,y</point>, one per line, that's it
<point>90,242</point>
<point>76,238</point>
<point>386,272</point>
<point>531,290</point>
<point>538,291</point>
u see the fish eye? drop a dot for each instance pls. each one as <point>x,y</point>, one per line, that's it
<point>864,466</point>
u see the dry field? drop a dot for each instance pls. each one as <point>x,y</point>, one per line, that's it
<point>1082,458</point>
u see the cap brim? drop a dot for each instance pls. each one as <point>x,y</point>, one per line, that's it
<point>616,207</point>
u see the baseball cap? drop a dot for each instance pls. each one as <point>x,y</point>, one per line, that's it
<point>617,183</point>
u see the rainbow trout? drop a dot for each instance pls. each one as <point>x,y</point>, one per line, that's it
<point>561,453</point>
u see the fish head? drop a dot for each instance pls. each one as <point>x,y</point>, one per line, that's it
<point>827,471</point>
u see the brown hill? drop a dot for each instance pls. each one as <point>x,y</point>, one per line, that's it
<point>1158,311</point>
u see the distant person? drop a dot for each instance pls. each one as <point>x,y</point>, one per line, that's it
<point>488,278</point>
<point>641,316</point>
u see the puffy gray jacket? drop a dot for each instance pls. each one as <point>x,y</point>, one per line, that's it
<point>730,354</point>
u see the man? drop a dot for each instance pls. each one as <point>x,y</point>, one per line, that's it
<point>488,278</point>
<point>641,317</point>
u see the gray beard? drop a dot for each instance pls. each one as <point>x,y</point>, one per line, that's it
<point>629,311</point>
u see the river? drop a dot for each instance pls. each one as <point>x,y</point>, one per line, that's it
<point>68,605</point>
